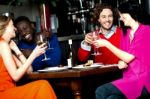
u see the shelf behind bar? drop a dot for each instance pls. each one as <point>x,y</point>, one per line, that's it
<point>73,37</point>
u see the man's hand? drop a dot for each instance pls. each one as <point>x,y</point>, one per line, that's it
<point>88,38</point>
<point>46,33</point>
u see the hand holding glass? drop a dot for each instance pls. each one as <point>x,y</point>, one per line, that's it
<point>48,35</point>
<point>95,35</point>
<point>40,40</point>
<point>49,44</point>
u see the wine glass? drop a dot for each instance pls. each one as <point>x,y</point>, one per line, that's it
<point>40,40</point>
<point>95,36</point>
<point>47,35</point>
<point>49,44</point>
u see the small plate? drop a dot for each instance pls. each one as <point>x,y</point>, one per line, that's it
<point>95,65</point>
<point>53,69</point>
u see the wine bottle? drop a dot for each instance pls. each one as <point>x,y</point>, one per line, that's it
<point>71,58</point>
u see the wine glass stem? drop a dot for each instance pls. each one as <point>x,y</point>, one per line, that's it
<point>45,56</point>
<point>49,45</point>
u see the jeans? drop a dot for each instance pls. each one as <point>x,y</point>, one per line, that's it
<point>144,94</point>
<point>109,91</point>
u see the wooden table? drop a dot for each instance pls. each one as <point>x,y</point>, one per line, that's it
<point>72,78</point>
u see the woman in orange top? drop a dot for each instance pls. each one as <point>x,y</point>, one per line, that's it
<point>14,65</point>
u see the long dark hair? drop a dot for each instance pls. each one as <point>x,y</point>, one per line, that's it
<point>136,11</point>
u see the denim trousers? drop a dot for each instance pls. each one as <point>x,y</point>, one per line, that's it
<point>109,91</point>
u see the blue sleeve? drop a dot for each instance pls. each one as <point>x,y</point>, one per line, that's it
<point>55,53</point>
<point>23,45</point>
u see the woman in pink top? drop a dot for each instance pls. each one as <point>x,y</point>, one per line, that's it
<point>134,56</point>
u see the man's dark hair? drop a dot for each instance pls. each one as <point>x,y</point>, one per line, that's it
<point>21,18</point>
<point>99,8</point>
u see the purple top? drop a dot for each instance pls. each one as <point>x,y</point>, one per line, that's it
<point>136,76</point>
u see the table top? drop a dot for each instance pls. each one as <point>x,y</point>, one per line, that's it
<point>72,73</point>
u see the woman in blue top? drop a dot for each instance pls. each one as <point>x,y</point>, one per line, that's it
<point>27,43</point>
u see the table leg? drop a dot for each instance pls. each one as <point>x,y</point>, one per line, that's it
<point>76,88</point>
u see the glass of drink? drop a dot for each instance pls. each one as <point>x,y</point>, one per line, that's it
<point>95,35</point>
<point>40,39</point>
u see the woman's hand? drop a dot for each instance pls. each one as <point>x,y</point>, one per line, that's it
<point>122,65</point>
<point>101,43</point>
<point>39,49</point>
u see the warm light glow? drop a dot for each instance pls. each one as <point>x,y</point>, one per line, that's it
<point>44,12</point>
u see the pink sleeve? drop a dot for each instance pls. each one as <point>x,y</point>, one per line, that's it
<point>140,46</point>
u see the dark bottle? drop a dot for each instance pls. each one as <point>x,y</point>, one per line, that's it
<point>78,26</point>
<point>74,29</point>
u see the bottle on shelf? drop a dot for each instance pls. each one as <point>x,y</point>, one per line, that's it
<point>71,58</point>
<point>78,26</point>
